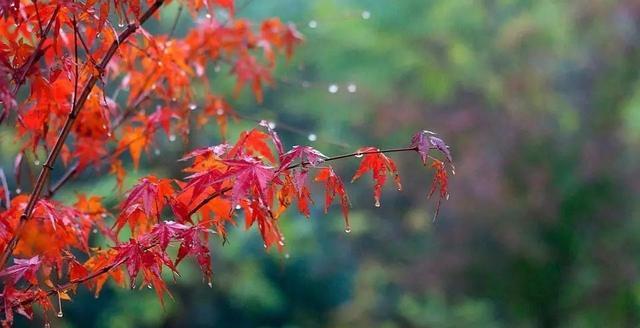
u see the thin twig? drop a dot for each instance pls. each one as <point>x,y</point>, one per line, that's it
<point>5,187</point>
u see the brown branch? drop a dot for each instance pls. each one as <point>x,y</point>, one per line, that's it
<point>53,155</point>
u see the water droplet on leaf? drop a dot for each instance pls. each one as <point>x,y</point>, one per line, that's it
<point>220,111</point>
<point>36,162</point>
<point>347,229</point>
<point>18,190</point>
<point>172,138</point>
<point>156,151</point>
<point>377,204</point>
<point>193,106</point>
<point>208,16</point>
<point>210,284</point>
<point>272,125</point>
<point>358,155</point>
<point>312,137</point>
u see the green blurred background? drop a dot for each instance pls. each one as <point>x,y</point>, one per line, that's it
<point>540,102</point>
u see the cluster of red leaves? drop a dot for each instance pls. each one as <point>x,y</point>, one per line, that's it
<point>59,50</point>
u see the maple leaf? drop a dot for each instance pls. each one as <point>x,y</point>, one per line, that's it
<point>426,140</point>
<point>333,186</point>
<point>193,244</point>
<point>253,142</point>
<point>379,164</point>
<point>136,139</point>
<point>294,186</point>
<point>251,176</point>
<point>248,70</point>
<point>440,182</point>
<point>23,268</point>
<point>118,170</point>
<point>144,203</point>
<point>306,154</point>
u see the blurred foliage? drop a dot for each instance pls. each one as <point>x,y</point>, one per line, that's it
<point>540,101</point>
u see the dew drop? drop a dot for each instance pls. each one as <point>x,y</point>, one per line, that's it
<point>377,204</point>
<point>347,229</point>
<point>104,215</point>
<point>120,24</point>
<point>217,68</point>
<point>272,125</point>
<point>104,126</point>
<point>333,88</point>
<point>238,207</point>
<point>94,230</point>
<point>36,162</point>
<point>265,245</point>
<point>281,243</point>
<point>219,111</point>
<point>59,314</point>
<point>358,155</point>
<point>286,256</point>
<point>210,284</point>
<point>193,106</point>
<point>156,152</point>
<point>47,325</point>
<point>153,87</point>
<point>352,88</point>
<point>149,286</point>
<point>109,134</point>
<point>366,14</point>
<point>174,99</point>
<point>313,24</point>
<point>208,16</point>
<point>447,197</point>
<point>18,190</point>
<point>312,137</point>
<point>172,138</point>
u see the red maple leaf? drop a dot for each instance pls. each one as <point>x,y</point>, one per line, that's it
<point>334,186</point>
<point>379,164</point>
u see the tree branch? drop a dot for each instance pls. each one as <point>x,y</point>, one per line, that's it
<point>53,155</point>
<point>69,285</point>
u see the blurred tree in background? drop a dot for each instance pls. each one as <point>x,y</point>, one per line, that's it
<point>540,101</point>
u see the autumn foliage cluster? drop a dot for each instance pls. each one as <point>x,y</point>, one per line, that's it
<point>57,59</point>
